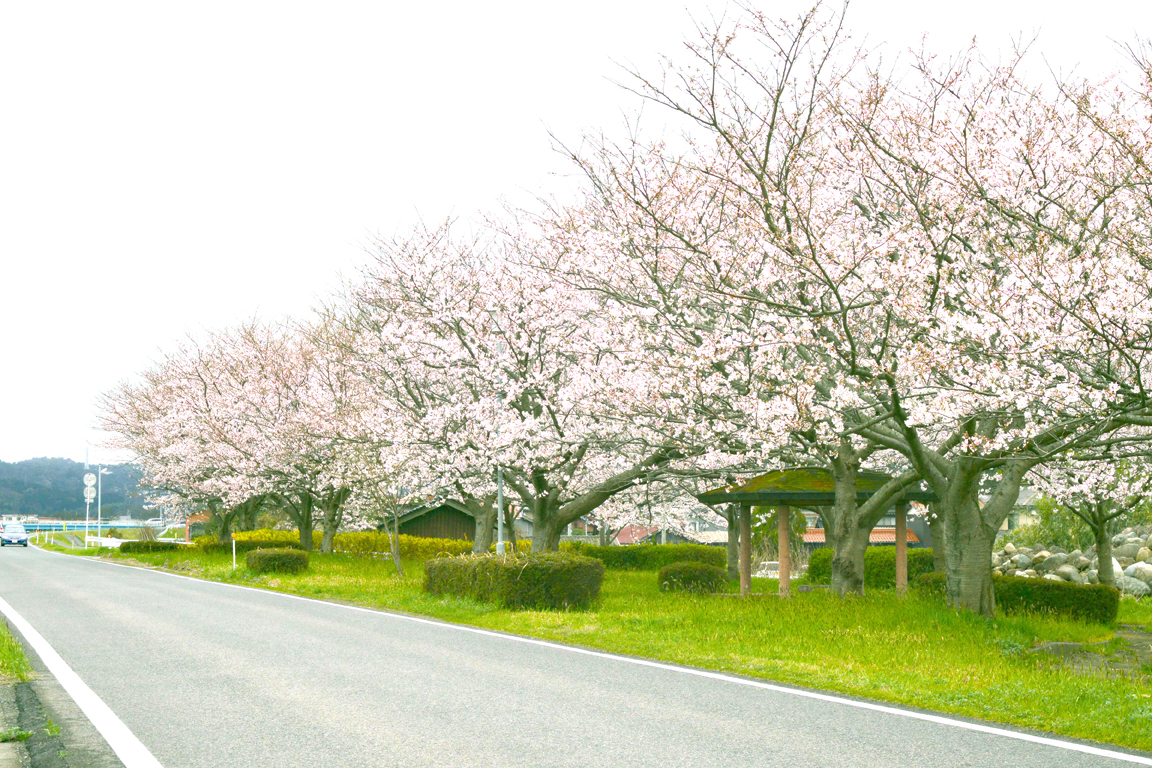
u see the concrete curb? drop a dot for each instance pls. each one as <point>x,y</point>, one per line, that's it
<point>13,754</point>
<point>82,743</point>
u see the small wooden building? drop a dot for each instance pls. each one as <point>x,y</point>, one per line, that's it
<point>441,520</point>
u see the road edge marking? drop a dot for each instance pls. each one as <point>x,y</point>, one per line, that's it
<point>123,742</point>
<point>685,670</point>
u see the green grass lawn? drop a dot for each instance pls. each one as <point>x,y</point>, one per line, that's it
<point>13,663</point>
<point>909,650</point>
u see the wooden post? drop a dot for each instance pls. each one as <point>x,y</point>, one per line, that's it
<point>784,542</point>
<point>745,549</point>
<point>902,547</point>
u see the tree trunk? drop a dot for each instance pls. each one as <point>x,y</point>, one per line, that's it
<point>300,512</point>
<point>968,543</point>
<point>842,528</point>
<point>848,561</point>
<point>485,526</point>
<point>510,530</point>
<point>329,536</point>
<point>546,536</point>
<point>222,519</point>
<point>224,532</point>
<point>333,508</point>
<point>733,543</point>
<point>970,531</point>
<point>1104,555</point>
<point>936,526</point>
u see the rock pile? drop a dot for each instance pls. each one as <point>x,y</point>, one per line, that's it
<point>1131,562</point>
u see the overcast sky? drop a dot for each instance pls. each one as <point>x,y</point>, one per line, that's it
<point>171,167</point>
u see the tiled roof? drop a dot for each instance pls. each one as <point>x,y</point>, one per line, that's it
<point>878,536</point>
<point>630,534</point>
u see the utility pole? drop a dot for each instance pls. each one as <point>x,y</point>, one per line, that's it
<point>499,511</point>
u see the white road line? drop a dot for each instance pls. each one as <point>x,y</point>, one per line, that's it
<point>123,742</point>
<point>831,698</point>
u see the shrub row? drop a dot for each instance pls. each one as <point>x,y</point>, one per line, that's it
<point>554,580</point>
<point>648,557</point>
<point>248,545</point>
<point>691,576</point>
<point>1096,603</point>
<point>131,547</point>
<point>363,543</point>
<point>879,566</point>
<point>277,560</point>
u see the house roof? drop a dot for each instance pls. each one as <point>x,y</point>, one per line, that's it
<point>630,534</point>
<point>877,536</point>
<point>802,486</point>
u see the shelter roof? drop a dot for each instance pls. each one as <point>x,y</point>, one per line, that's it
<point>803,487</point>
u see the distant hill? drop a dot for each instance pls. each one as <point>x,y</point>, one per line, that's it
<point>55,488</point>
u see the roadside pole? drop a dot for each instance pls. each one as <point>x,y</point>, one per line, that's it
<point>233,554</point>
<point>89,493</point>
<point>99,497</point>
<point>499,511</point>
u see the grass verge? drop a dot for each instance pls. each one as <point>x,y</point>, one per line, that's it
<point>909,650</point>
<point>13,663</point>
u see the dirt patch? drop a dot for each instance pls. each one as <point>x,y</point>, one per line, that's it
<point>45,750</point>
<point>1129,654</point>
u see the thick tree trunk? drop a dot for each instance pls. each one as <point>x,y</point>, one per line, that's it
<point>842,529</point>
<point>510,531</point>
<point>848,561</point>
<point>1104,555</point>
<point>485,527</point>
<point>968,542</point>
<point>222,520</point>
<point>329,535</point>
<point>224,526</point>
<point>733,544</point>
<point>546,536</point>
<point>333,507</point>
<point>300,513</point>
<point>306,542</point>
<point>936,526</point>
<point>970,531</point>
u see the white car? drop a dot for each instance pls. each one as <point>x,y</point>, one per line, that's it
<point>14,533</point>
<point>156,522</point>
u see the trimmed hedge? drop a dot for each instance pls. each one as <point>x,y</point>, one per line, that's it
<point>879,566</point>
<point>131,547</point>
<point>248,545</point>
<point>1096,603</point>
<point>552,580</point>
<point>363,543</point>
<point>277,560</point>
<point>691,576</point>
<point>648,557</point>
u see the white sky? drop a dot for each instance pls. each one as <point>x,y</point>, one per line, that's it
<point>170,167</point>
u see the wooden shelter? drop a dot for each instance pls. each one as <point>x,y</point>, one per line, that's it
<point>447,519</point>
<point>806,488</point>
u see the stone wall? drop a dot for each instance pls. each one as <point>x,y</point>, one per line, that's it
<point>1131,562</point>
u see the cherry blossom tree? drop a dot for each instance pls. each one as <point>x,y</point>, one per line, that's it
<point>740,255</point>
<point>480,363</point>
<point>1099,490</point>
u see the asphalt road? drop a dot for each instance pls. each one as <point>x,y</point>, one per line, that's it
<point>210,675</point>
